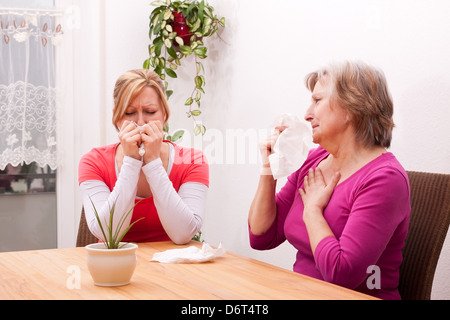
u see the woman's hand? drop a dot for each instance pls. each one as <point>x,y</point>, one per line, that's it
<point>130,139</point>
<point>266,146</point>
<point>316,193</point>
<point>152,137</point>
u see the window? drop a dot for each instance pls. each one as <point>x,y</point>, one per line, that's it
<point>27,179</point>
<point>29,38</point>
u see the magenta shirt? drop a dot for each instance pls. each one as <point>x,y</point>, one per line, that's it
<point>369,216</point>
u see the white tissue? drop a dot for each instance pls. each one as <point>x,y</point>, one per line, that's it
<point>141,150</point>
<point>141,147</point>
<point>292,147</point>
<point>189,255</point>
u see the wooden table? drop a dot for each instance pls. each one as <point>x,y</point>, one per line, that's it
<point>63,274</point>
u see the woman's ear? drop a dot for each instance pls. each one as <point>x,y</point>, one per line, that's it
<point>348,118</point>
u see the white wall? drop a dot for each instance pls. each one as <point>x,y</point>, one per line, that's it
<point>256,71</point>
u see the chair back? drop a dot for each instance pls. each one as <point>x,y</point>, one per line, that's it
<point>84,236</point>
<point>428,226</point>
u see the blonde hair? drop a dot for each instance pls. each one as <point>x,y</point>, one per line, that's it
<point>362,90</point>
<point>129,85</point>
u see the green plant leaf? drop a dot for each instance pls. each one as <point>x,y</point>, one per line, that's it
<point>200,68</point>
<point>171,51</point>
<point>201,8</point>
<point>200,52</point>
<point>207,25</point>
<point>167,14</point>
<point>179,40</point>
<point>98,219</point>
<point>158,3</point>
<point>158,70</point>
<point>201,89</point>
<point>171,73</point>
<point>158,42</point>
<point>169,93</point>
<point>186,50</point>
<point>198,96</point>
<point>187,12</point>
<point>198,82</point>
<point>112,237</point>
<point>157,29</point>
<point>188,102</point>
<point>199,129</point>
<point>162,62</point>
<point>146,64</point>
<point>168,43</point>
<point>155,19</point>
<point>177,135</point>
<point>208,11</point>
<point>196,25</point>
<point>196,113</point>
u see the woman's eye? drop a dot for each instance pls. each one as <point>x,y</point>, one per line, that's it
<point>129,113</point>
<point>151,112</point>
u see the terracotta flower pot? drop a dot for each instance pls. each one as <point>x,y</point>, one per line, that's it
<point>111,267</point>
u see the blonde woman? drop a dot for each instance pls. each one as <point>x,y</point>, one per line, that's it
<point>170,181</point>
<point>346,210</point>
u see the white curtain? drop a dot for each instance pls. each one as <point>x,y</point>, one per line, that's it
<point>28,90</point>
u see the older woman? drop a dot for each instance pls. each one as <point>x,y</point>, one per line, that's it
<point>346,210</point>
<point>171,181</point>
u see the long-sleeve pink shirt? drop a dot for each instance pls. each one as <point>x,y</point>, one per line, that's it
<point>369,216</point>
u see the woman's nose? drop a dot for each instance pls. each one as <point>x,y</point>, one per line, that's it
<point>309,114</point>
<point>140,120</point>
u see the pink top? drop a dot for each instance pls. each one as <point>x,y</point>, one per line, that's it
<point>369,216</point>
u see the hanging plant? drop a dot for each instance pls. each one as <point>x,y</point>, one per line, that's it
<point>177,30</point>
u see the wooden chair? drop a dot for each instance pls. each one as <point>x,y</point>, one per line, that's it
<point>429,223</point>
<point>84,236</point>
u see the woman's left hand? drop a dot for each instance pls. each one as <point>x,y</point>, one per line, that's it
<point>316,193</point>
<point>152,137</point>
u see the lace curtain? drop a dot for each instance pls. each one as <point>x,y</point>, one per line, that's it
<point>28,92</point>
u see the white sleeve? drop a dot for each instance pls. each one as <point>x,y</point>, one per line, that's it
<point>123,194</point>
<point>181,213</point>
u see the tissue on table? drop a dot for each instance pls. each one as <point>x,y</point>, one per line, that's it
<point>292,147</point>
<point>191,254</point>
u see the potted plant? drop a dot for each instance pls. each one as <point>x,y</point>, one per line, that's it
<point>112,262</point>
<point>177,31</point>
